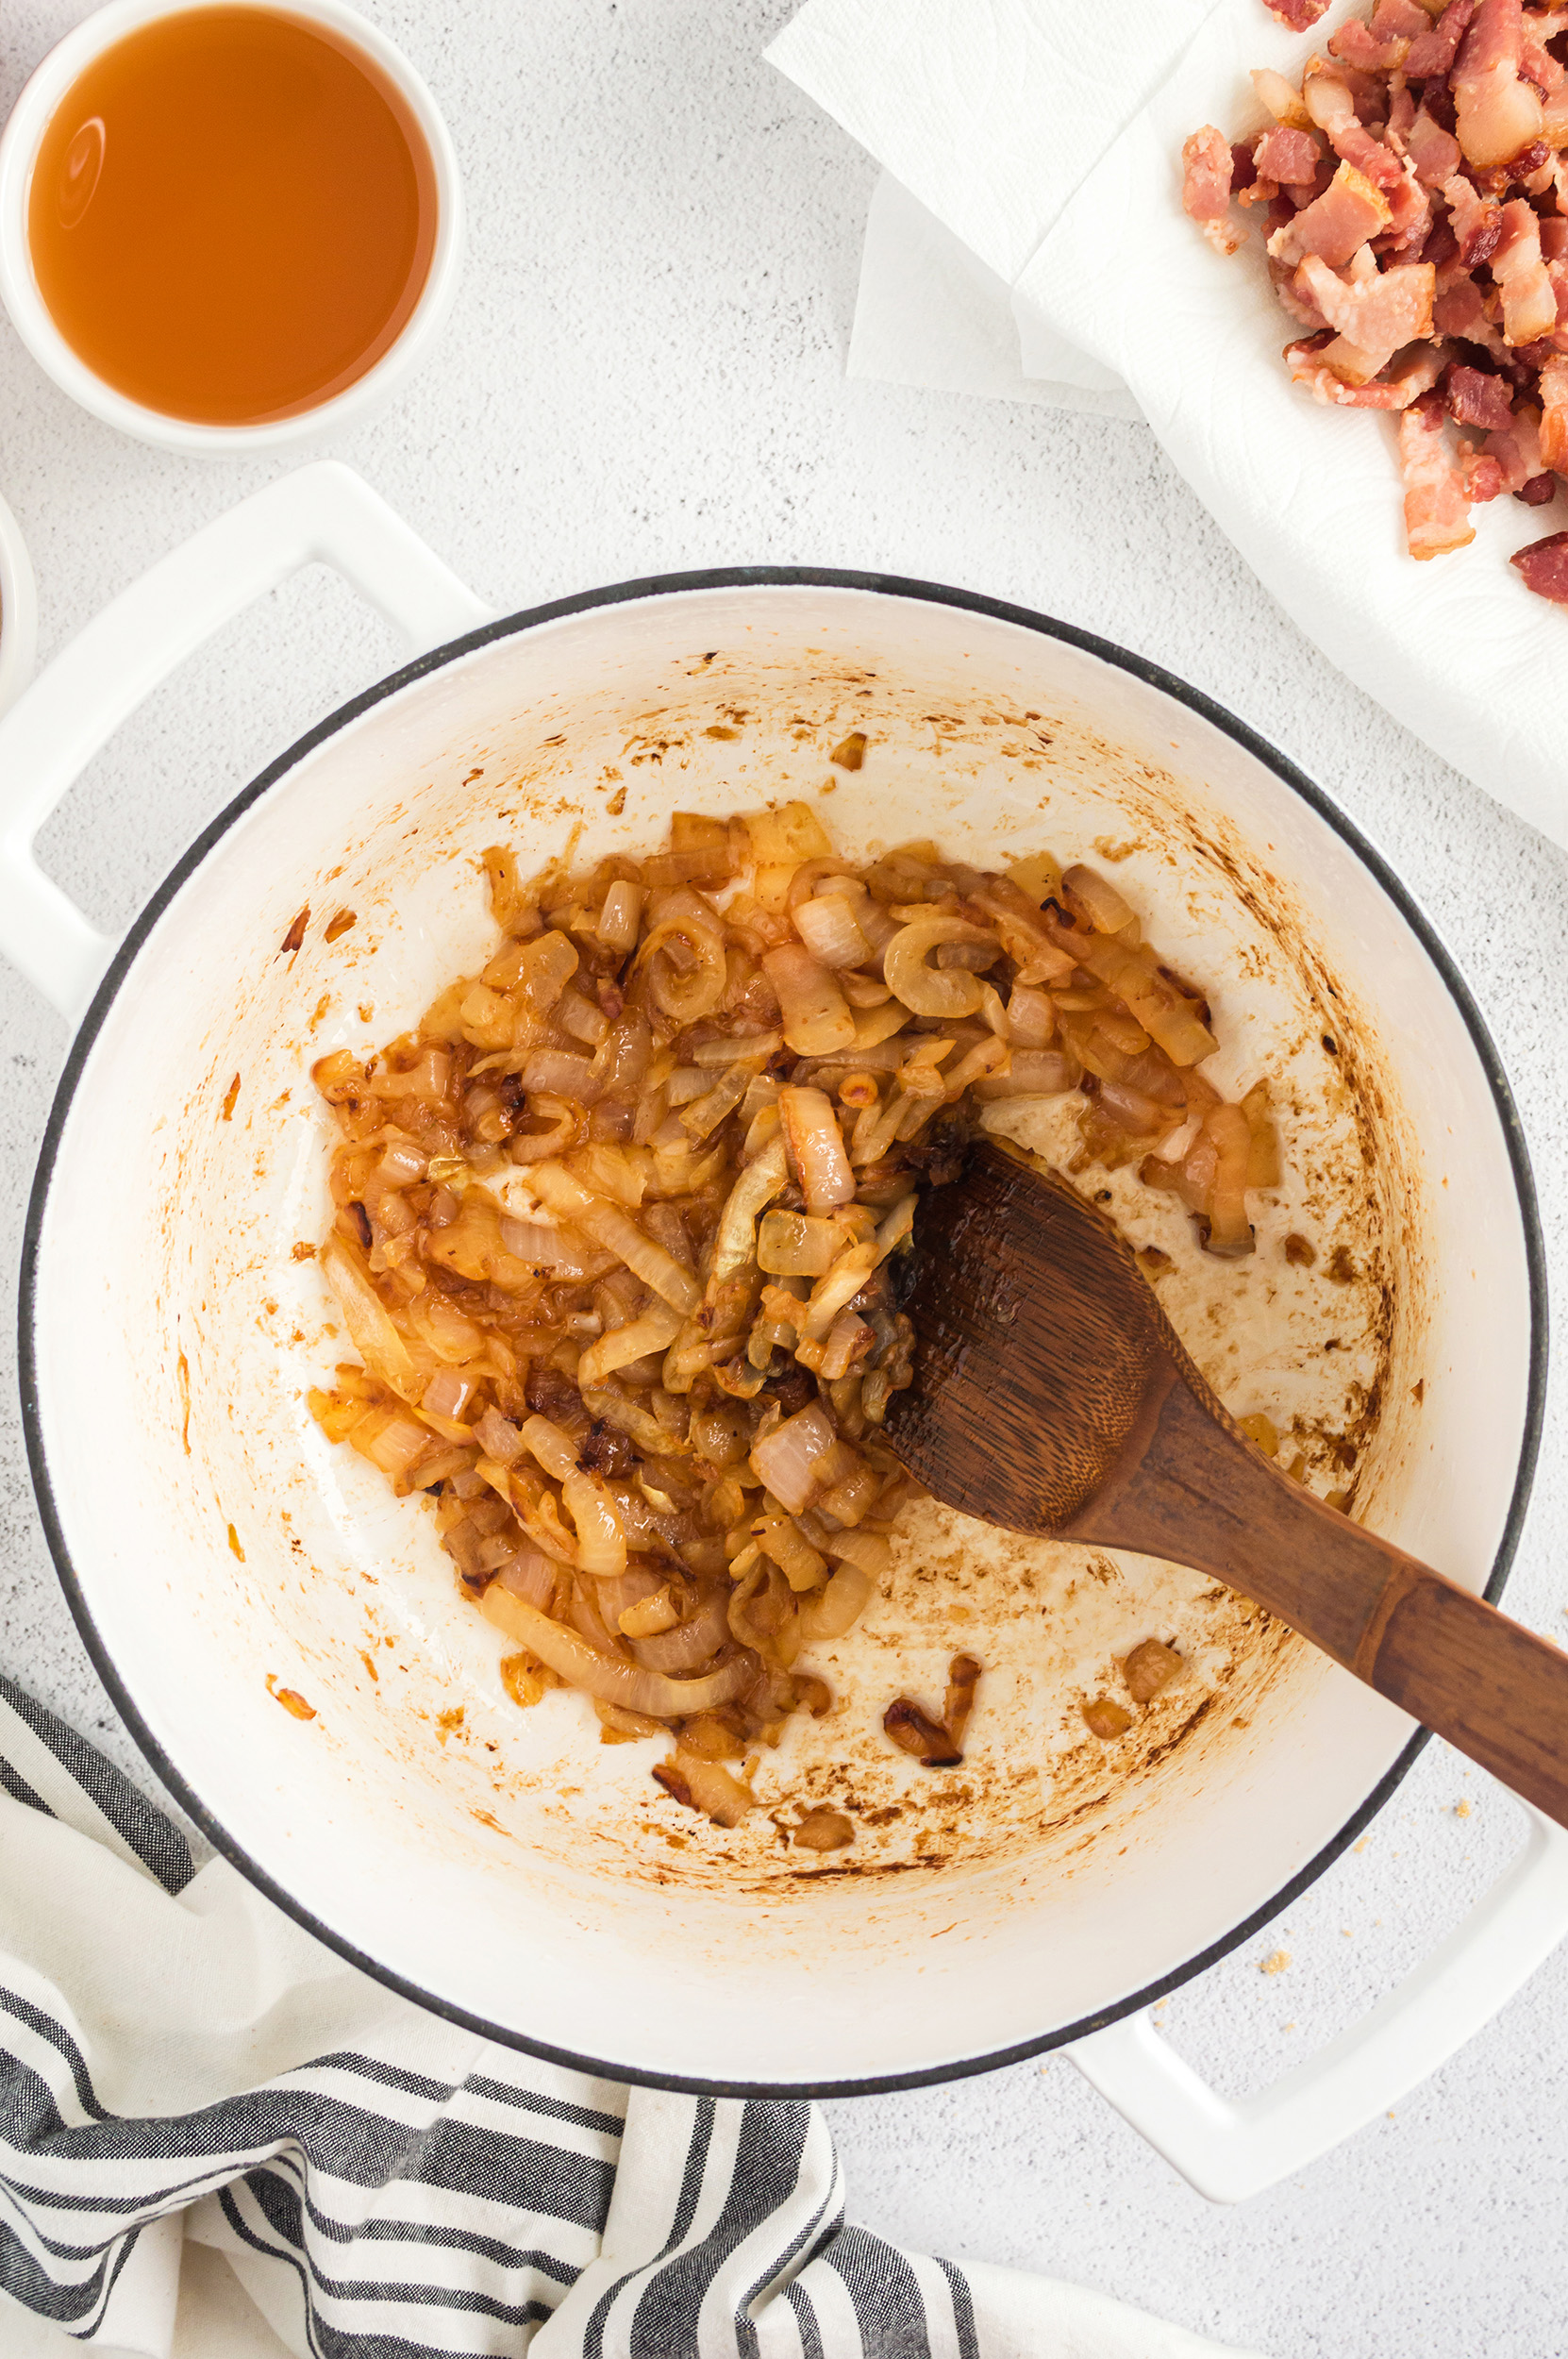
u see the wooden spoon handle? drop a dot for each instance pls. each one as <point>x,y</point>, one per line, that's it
<point>1488,1685</point>
<point>1193,1490</point>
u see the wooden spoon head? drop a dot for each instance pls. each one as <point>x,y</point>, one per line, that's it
<point>1039,1344</point>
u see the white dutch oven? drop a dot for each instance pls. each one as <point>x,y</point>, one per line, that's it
<point>502,1869</point>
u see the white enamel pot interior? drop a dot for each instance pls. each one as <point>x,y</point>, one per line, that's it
<point>501,1866</point>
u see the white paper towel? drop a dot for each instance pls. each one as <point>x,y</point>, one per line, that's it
<point>1036,88</point>
<point>930,312</point>
<point>990,113</point>
<point>1046,135</point>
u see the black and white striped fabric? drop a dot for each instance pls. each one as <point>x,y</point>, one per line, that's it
<point>180,2064</point>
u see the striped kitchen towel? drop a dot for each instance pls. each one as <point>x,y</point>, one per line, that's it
<point>193,2092</point>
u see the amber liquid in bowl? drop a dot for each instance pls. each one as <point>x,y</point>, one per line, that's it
<point>232,215</point>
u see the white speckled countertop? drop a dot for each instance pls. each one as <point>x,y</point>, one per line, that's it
<point>644,372</point>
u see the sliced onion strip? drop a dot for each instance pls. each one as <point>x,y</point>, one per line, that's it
<point>606,1678</point>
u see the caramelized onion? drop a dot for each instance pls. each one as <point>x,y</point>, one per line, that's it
<point>557,1073</point>
<point>601,1542</point>
<point>532,1146</point>
<point>624,1199</point>
<point>655,1330</point>
<point>544,1245</point>
<point>816,1148</point>
<point>1107,912</point>
<point>689,1643</point>
<point>794,1244</point>
<point>371,1331</point>
<point>735,1240</point>
<point>838,1606</point>
<point>611,1227</point>
<point>787,1461</point>
<point>943,992</point>
<point>827,928</point>
<point>530,1575</point>
<point>606,1676</point>
<point>692,994</point>
<point>816,1015</point>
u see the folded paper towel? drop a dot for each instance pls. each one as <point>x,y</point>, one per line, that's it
<point>1037,90</point>
<point>1045,120</point>
<point>930,312</point>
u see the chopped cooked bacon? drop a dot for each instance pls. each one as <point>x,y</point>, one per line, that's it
<point>1372,319</point>
<point>1545,567</point>
<point>1286,155</point>
<point>1431,55</point>
<point>1538,66</point>
<point>1357,44</point>
<point>1297,15</point>
<point>1379,46</point>
<point>1478,224</point>
<point>1437,514</point>
<point>1496,112</point>
<point>1482,476</point>
<point>1433,151</point>
<point>1206,189</point>
<point>1301,308</point>
<point>1335,225</point>
<point>1551,180</point>
<point>1331,103</point>
<point>1395,20</point>
<point>1529,299</point>
<point>1409,218</point>
<point>1553,415</point>
<point>1516,448</point>
<point>1415,375</point>
<point>1282,102</point>
<point>1459,311</point>
<point>1417,195</point>
<point>1476,398</point>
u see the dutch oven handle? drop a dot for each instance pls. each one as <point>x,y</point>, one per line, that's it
<point>1230,2149</point>
<point>321,514</point>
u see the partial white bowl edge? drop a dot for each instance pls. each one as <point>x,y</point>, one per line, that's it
<point>18,611</point>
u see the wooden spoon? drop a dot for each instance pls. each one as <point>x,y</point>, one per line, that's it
<point>1052,1397</point>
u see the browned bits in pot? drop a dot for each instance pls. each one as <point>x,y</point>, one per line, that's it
<point>290,1699</point>
<point>914,1731</point>
<point>937,1743</point>
<point>1299,1250</point>
<point>1262,1430</point>
<point>229,1096</point>
<point>525,1678</point>
<point>615,1225</point>
<point>1148,1668</point>
<point>1153,1260</point>
<point>963,1677</point>
<point>823,1830</point>
<point>337,926</point>
<point>1106,1718</point>
<point>850,751</point>
<point>295,935</point>
<point>707,1786</point>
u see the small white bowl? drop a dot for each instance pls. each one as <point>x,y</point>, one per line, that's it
<point>18,611</point>
<point>30,315</point>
